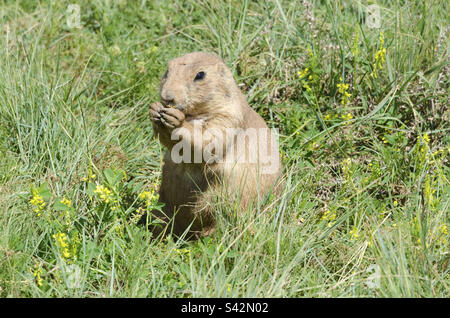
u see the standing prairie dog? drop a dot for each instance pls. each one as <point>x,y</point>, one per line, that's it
<point>209,130</point>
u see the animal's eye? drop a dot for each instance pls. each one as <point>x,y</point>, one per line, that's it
<point>199,76</point>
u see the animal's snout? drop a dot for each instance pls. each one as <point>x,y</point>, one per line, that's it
<point>168,97</point>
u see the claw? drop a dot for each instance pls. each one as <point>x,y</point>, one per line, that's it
<point>165,123</point>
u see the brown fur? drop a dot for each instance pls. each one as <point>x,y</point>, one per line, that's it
<point>215,102</point>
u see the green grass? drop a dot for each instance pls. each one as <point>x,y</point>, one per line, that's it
<point>365,208</point>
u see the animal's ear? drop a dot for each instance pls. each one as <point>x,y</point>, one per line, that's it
<point>225,74</point>
<point>222,70</point>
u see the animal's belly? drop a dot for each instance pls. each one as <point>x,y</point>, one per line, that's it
<point>181,183</point>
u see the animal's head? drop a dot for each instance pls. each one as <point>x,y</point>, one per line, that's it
<point>197,83</point>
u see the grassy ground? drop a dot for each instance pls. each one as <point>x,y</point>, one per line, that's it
<point>363,120</point>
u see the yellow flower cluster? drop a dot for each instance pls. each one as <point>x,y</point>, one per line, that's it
<point>61,242</point>
<point>327,117</point>
<point>146,195</point>
<point>346,165</point>
<point>312,146</point>
<point>441,151</point>
<point>183,251</point>
<point>119,227</point>
<point>444,232</point>
<point>423,145</point>
<point>354,233</point>
<point>302,76</point>
<point>330,217</point>
<point>150,197</point>
<point>380,57</point>
<point>66,202</point>
<point>107,196</point>
<point>37,274</point>
<point>441,235</point>
<point>104,193</point>
<point>429,191</point>
<point>90,178</point>
<point>303,73</point>
<point>38,203</point>
<point>343,90</point>
<point>347,116</point>
<point>137,215</point>
<point>444,229</point>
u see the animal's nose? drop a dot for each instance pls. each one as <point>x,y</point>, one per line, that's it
<point>167,96</point>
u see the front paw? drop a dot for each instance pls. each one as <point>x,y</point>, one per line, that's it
<point>155,112</point>
<point>171,117</point>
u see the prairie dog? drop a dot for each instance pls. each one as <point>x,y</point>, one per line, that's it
<point>198,96</point>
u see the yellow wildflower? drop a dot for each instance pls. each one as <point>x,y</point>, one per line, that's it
<point>137,215</point>
<point>66,202</point>
<point>91,176</point>
<point>37,274</point>
<point>146,195</point>
<point>104,193</point>
<point>330,217</point>
<point>61,242</point>
<point>119,227</point>
<point>429,191</point>
<point>312,146</point>
<point>183,251</point>
<point>151,196</point>
<point>354,233</point>
<point>380,57</point>
<point>303,73</point>
<point>444,229</point>
<point>347,116</point>
<point>444,232</point>
<point>306,86</point>
<point>343,90</point>
<point>346,164</point>
<point>38,203</point>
